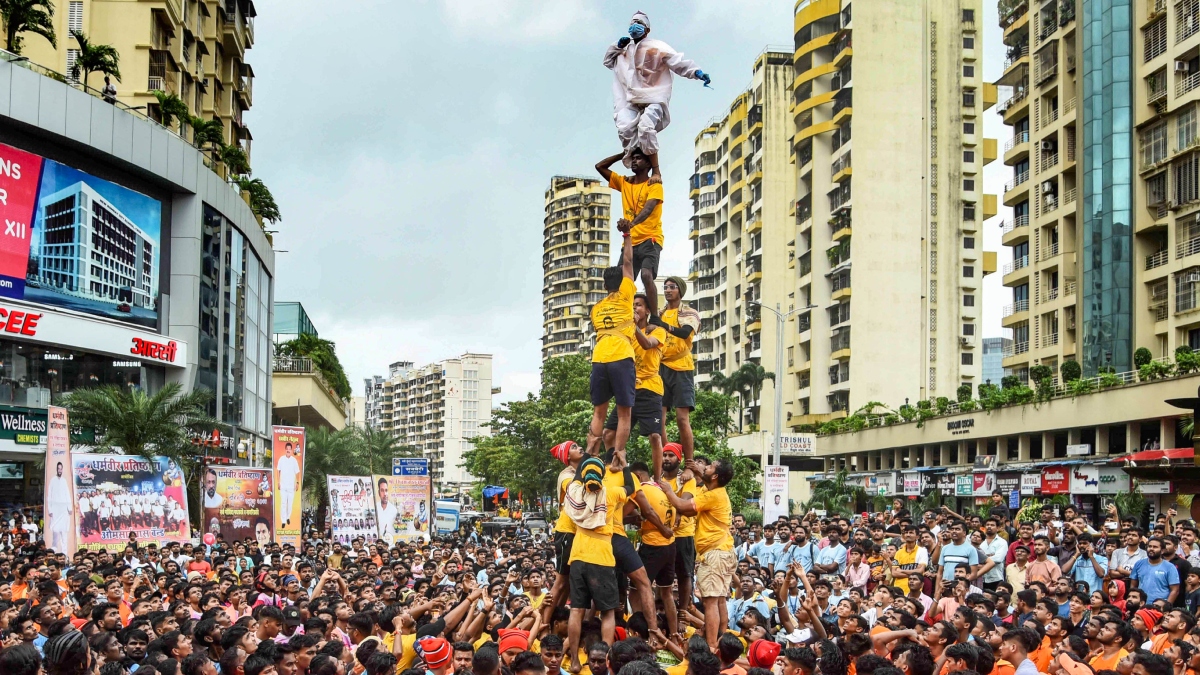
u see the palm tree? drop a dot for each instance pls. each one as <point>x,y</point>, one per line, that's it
<point>235,159</point>
<point>210,132</point>
<point>170,108</point>
<point>262,202</point>
<point>836,495</point>
<point>750,378</point>
<point>333,453</point>
<point>27,16</point>
<point>146,425</point>
<point>726,385</point>
<point>381,447</point>
<point>95,59</point>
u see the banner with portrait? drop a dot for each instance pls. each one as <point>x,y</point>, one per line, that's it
<point>60,493</point>
<point>119,494</point>
<point>287,454</point>
<point>238,503</point>
<point>404,502</point>
<point>352,509</point>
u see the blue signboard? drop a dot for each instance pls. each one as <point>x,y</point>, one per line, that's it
<point>402,466</point>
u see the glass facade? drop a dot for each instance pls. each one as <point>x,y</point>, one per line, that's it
<point>235,349</point>
<point>36,376</point>
<point>291,321</point>
<point>1107,238</point>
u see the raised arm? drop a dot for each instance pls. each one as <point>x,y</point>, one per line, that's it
<point>651,515</point>
<point>626,249</point>
<point>646,341</point>
<point>602,166</point>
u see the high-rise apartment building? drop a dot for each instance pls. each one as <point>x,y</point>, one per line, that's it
<point>437,409</point>
<point>741,228</point>
<point>888,153</point>
<point>575,251</point>
<point>373,401</point>
<point>194,49</point>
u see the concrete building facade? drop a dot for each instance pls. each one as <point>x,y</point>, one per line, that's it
<point>575,251</point>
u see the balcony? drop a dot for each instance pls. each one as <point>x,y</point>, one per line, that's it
<point>1019,263</point>
<point>1017,139</point>
<point>1157,259</point>
<point>1018,306</point>
<point>1048,252</point>
<point>1187,83</point>
<point>1015,54</point>
<point>1016,181</point>
<point>1186,248</point>
<point>1014,224</point>
<point>1050,339</point>
<point>1015,348</point>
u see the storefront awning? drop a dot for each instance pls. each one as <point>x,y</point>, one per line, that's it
<point>1169,454</point>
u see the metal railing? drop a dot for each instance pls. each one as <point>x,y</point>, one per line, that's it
<point>1016,264</point>
<point>1016,181</point>
<point>1069,196</point>
<point>1017,139</point>
<point>1010,225</point>
<point>1015,54</point>
<point>1157,259</point>
<point>1018,306</point>
<point>1049,252</point>
<point>1186,248</point>
<point>1187,83</point>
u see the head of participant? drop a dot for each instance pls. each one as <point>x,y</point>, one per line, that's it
<point>640,312</point>
<point>639,26</point>
<point>718,473</point>
<point>567,452</point>
<point>639,163</point>
<point>674,288</point>
<point>672,455</point>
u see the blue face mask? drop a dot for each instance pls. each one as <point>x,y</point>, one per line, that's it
<point>636,30</point>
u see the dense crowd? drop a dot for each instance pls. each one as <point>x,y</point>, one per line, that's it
<point>702,593</point>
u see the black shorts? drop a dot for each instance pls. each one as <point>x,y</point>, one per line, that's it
<point>660,563</point>
<point>685,557</point>
<point>645,257</point>
<point>679,388</point>
<point>647,414</point>
<point>628,561</point>
<point>615,379</point>
<point>562,551</point>
<point>593,583</point>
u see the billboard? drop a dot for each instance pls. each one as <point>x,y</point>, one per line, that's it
<point>60,493</point>
<point>119,494</point>
<point>238,503</point>
<point>287,453</point>
<point>775,493</point>
<point>447,519</point>
<point>352,508</point>
<point>403,502</point>
<point>76,241</point>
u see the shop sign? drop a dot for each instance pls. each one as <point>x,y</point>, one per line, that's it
<point>885,484</point>
<point>19,322</point>
<point>797,444</point>
<point>1155,487</point>
<point>983,484</point>
<point>1056,480</point>
<point>1031,483</point>
<point>985,463</point>
<point>960,427</point>
<point>1085,479</point>
<point>964,485</point>
<point>1113,480</point>
<point>1081,450</point>
<point>945,485</point>
<point>1008,482</point>
<point>912,483</point>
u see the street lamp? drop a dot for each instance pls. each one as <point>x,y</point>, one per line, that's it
<point>780,319</point>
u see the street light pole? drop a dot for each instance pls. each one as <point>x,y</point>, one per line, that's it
<point>780,321</point>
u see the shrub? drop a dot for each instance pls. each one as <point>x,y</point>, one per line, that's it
<point>1186,360</point>
<point>1079,387</point>
<point>1142,356</point>
<point>1155,370</point>
<point>943,405</point>
<point>964,392</point>
<point>1040,372</point>
<point>1010,381</point>
<point>1070,370</point>
<point>1109,378</point>
<point>967,405</point>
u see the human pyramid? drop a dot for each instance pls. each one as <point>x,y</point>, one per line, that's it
<point>643,359</point>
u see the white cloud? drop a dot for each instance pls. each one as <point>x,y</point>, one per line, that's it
<point>521,21</point>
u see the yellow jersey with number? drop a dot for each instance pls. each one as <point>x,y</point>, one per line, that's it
<point>662,506</point>
<point>612,319</point>
<point>647,361</point>
<point>676,353</point>
<point>633,199</point>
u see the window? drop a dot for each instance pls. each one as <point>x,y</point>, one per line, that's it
<point>1184,179</point>
<point>968,212</point>
<point>75,16</point>
<point>969,271</point>
<point>968,98</point>
<point>968,358</point>
<point>969,300</point>
<point>968,329</point>
<point>968,42</point>
<point>968,70</point>
<point>969,242</point>
<point>1185,128</point>
<point>1154,144</point>
<point>968,16</point>
<point>969,128</point>
<point>72,57</point>
<point>969,184</point>
<point>969,156</point>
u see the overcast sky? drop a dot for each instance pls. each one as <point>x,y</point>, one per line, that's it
<point>409,144</point>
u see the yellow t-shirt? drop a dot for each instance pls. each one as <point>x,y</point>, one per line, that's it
<point>633,199</point>
<point>614,313</point>
<point>564,522</point>
<point>536,603</point>
<point>616,517</point>
<point>595,546</point>
<point>676,353</point>
<point>407,643</point>
<point>666,512</point>
<point>686,527</point>
<point>712,522</point>
<point>647,360</point>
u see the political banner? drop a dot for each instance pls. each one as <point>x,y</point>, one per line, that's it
<point>239,503</point>
<point>352,508</point>
<point>403,502</point>
<point>287,453</point>
<point>775,493</point>
<point>121,494</point>
<point>60,493</point>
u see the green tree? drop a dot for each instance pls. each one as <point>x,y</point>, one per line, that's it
<point>836,495</point>
<point>235,159</point>
<point>93,58</point>
<point>207,132</point>
<point>750,378</point>
<point>137,423</point>
<point>331,453</point>
<point>171,109</point>
<point>262,202</point>
<point>381,447</point>
<point>324,357</point>
<point>27,16</point>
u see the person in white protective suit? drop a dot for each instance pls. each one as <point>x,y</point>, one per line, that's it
<point>642,77</point>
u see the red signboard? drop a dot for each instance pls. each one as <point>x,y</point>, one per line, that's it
<point>155,350</point>
<point>1056,480</point>
<point>19,175</point>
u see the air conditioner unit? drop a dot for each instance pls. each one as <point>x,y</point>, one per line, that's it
<point>1182,67</point>
<point>1172,204</point>
<point>1191,278</point>
<point>1049,144</point>
<point>966,341</point>
<point>1048,187</point>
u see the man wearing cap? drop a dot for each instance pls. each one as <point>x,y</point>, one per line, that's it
<point>678,369</point>
<point>292,624</point>
<point>437,654</point>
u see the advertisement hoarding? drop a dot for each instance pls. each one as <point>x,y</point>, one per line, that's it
<point>775,493</point>
<point>1056,480</point>
<point>447,518</point>
<point>797,444</point>
<point>352,508</point>
<point>912,483</point>
<point>1031,483</point>
<point>238,503</point>
<point>287,453</point>
<point>76,241</point>
<point>964,485</point>
<point>119,494</point>
<point>402,502</point>
<point>1085,480</point>
<point>1113,480</point>
<point>60,489</point>
<point>983,484</point>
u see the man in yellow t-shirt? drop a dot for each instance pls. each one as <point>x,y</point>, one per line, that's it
<point>593,567</point>
<point>648,386</point>
<point>682,484</point>
<point>641,206</point>
<point>657,549</point>
<point>570,454</point>
<point>678,369</point>
<point>714,544</point>
<point>613,372</point>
